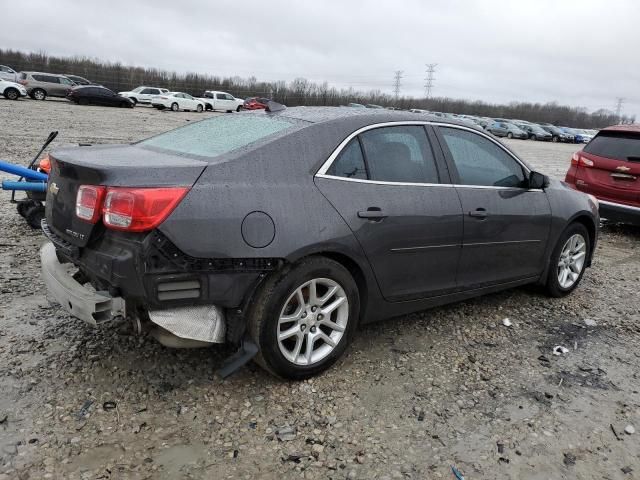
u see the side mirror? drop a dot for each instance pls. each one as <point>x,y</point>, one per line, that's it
<point>538,180</point>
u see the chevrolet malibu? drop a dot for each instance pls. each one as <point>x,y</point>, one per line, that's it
<point>281,231</point>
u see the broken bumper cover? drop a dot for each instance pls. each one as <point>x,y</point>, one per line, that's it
<point>78,300</point>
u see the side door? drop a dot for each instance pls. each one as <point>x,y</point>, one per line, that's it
<point>506,224</point>
<point>221,101</point>
<point>65,86</point>
<point>393,191</point>
<point>190,102</point>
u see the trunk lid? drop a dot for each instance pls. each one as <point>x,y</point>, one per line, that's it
<point>615,173</point>
<point>109,165</point>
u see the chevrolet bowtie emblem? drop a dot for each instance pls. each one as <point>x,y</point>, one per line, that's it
<point>622,168</point>
<point>53,188</point>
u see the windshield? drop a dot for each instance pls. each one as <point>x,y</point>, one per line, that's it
<point>138,90</point>
<point>217,135</point>
<point>616,145</point>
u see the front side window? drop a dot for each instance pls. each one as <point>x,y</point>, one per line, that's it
<point>399,154</point>
<point>480,161</point>
<point>350,162</point>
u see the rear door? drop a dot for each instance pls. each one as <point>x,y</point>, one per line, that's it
<point>611,171</point>
<point>393,191</point>
<point>506,224</point>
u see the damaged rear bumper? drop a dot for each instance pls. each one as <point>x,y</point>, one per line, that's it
<point>202,323</point>
<point>81,302</point>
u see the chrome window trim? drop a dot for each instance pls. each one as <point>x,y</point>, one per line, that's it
<point>322,171</point>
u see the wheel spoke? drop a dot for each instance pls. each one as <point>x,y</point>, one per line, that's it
<point>330,293</point>
<point>578,256</point>
<point>563,278</point>
<point>296,349</point>
<point>313,293</point>
<point>327,339</point>
<point>300,297</point>
<point>295,330</point>
<point>332,325</point>
<point>333,305</point>
<point>309,348</point>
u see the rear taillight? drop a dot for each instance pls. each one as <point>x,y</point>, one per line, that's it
<point>139,209</point>
<point>89,202</point>
<point>580,161</point>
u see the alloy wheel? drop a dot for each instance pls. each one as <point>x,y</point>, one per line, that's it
<point>571,262</point>
<point>313,321</point>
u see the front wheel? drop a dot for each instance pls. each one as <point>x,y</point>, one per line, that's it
<point>533,137</point>
<point>555,139</point>
<point>11,94</point>
<point>509,135</point>
<point>239,108</point>
<point>199,109</point>
<point>304,318</point>
<point>568,260</point>
<point>174,107</point>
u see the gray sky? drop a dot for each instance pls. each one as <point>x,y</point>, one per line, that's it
<point>575,52</point>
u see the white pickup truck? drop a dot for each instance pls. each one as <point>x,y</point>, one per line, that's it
<point>223,101</point>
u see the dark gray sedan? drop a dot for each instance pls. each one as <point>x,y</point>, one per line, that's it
<point>282,231</point>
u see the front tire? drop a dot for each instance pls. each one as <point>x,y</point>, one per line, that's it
<point>568,260</point>
<point>199,109</point>
<point>11,94</point>
<point>174,107</point>
<point>239,108</point>
<point>555,139</point>
<point>304,317</point>
<point>509,135</point>
<point>533,137</point>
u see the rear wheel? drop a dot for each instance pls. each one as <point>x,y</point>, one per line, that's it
<point>304,318</point>
<point>11,93</point>
<point>34,215</point>
<point>555,139</point>
<point>568,260</point>
<point>38,94</point>
<point>175,107</point>
<point>533,137</point>
<point>509,135</point>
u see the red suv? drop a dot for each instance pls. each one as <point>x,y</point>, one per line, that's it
<point>609,168</point>
<point>255,103</point>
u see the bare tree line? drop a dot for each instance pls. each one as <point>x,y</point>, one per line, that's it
<point>300,91</point>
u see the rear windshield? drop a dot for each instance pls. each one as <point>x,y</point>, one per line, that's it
<point>218,135</point>
<point>616,145</point>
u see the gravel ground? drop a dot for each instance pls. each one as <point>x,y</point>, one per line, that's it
<point>413,396</point>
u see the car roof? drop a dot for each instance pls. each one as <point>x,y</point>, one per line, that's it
<point>369,115</point>
<point>43,73</point>
<point>635,127</point>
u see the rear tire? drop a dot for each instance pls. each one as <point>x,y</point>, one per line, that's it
<point>39,94</point>
<point>533,137</point>
<point>11,93</point>
<point>174,107</point>
<point>562,258</point>
<point>555,139</point>
<point>34,215</point>
<point>310,318</point>
<point>509,135</point>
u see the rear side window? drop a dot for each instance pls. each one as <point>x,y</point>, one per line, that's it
<point>399,154</point>
<point>479,161</point>
<point>616,145</point>
<point>217,135</point>
<point>350,162</point>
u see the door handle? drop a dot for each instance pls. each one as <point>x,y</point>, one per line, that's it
<point>478,213</point>
<point>372,213</point>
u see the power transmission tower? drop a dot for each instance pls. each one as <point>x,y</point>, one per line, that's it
<point>428,86</point>
<point>396,83</point>
<point>619,102</point>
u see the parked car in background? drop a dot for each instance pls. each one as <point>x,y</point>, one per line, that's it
<point>284,232</point>
<point>608,167</point>
<point>504,129</point>
<point>96,95</point>
<point>8,73</point>
<point>177,101</point>
<point>79,80</point>
<point>371,105</point>
<point>558,135</point>
<point>535,132</point>
<point>356,105</point>
<point>12,90</point>
<point>222,101</point>
<point>42,85</point>
<point>419,110</point>
<point>143,94</point>
<point>579,136</point>
<point>256,103</point>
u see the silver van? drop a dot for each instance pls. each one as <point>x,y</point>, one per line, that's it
<point>42,85</point>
